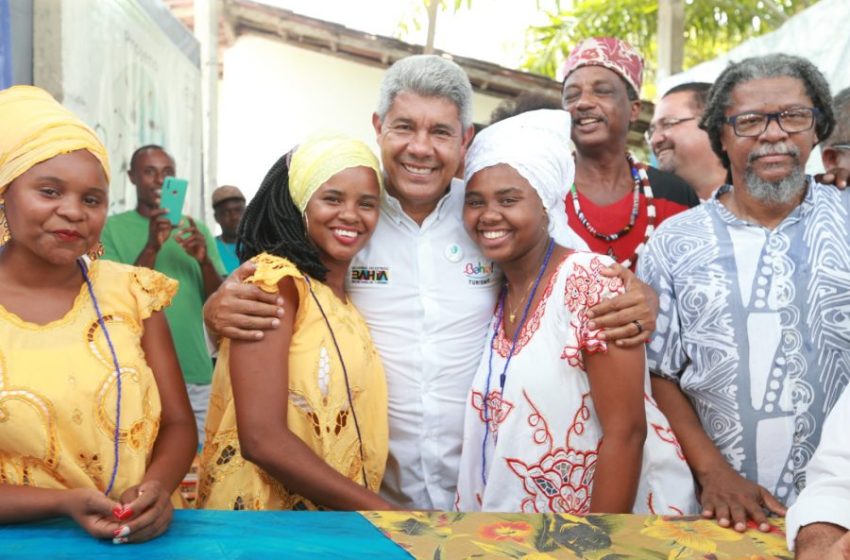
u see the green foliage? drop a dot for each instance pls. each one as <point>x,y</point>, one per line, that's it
<point>712,27</point>
<point>418,19</point>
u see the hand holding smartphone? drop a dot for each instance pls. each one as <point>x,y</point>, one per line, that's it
<point>173,197</point>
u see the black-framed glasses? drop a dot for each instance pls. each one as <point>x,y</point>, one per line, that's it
<point>664,125</point>
<point>754,123</point>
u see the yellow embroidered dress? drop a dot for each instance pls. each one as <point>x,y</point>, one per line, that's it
<point>58,386</point>
<point>318,410</point>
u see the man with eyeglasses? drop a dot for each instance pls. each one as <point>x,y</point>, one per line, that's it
<point>835,152</point>
<point>752,348</point>
<point>678,143</point>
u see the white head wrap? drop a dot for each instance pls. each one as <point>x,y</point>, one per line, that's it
<point>537,145</point>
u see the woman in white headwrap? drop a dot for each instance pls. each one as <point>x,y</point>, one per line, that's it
<point>549,388</point>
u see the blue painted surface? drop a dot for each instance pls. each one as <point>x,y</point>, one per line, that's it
<point>5,45</point>
<point>213,535</point>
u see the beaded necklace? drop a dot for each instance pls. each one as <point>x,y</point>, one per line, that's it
<point>641,181</point>
<point>102,323</point>
<point>345,376</point>
<point>500,312</point>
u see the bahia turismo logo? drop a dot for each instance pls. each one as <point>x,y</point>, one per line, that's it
<point>479,273</point>
<point>370,275</point>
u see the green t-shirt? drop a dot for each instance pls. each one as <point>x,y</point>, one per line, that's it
<point>124,237</point>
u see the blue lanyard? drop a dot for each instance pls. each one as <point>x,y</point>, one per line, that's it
<point>102,323</point>
<point>345,376</point>
<point>500,312</point>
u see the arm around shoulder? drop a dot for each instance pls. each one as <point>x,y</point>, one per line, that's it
<point>242,311</point>
<point>259,374</point>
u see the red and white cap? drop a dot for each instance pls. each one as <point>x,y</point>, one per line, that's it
<point>609,52</point>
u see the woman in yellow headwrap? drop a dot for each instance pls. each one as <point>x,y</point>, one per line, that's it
<point>310,397</point>
<point>95,423</point>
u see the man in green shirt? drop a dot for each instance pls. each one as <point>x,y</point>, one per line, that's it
<point>187,253</point>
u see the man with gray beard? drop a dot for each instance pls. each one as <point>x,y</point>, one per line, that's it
<point>752,347</point>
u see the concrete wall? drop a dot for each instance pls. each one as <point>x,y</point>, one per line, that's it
<point>20,32</point>
<point>122,71</point>
<point>273,94</point>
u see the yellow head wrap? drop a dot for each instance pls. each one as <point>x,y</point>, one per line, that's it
<point>321,157</point>
<point>36,128</point>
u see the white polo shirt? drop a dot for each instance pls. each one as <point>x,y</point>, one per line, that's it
<point>826,497</point>
<point>427,295</point>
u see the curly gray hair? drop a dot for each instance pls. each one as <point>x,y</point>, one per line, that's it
<point>759,67</point>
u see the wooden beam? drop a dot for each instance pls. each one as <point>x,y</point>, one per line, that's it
<point>671,37</point>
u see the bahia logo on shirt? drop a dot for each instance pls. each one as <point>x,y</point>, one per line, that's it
<point>479,274</point>
<point>370,275</point>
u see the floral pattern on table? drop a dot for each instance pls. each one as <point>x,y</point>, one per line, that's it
<point>442,536</point>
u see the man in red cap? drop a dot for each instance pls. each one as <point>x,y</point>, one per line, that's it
<point>616,202</point>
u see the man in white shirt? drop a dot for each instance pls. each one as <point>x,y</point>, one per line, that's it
<point>820,518</point>
<point>425,290</point>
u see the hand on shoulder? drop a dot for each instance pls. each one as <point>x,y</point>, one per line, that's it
<point>629,318</point>
<point>242,311</point>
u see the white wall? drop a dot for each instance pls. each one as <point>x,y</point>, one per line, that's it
<point>116,68</point>
<point>274,94</point>
<point>818,33</point>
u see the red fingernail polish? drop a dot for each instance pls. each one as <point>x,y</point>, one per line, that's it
<point>116,511</point>
<point>126,513</point>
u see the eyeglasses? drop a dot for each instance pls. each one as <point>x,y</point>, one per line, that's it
<point>840,146</point>
<point>664,125</point>
<point>754,123</point>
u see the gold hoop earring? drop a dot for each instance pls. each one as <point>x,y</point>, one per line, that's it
<point>5,236</point>
<point>96,252</point>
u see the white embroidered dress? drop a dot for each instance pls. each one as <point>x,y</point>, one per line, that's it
<point>541,437</point>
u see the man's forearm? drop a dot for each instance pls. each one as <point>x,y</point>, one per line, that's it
<point>701,453</point>
<point>212,279</point>
<point>814,541</point>
<point>147,258</point>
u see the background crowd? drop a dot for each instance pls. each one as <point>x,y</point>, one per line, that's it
<point>528,320</point>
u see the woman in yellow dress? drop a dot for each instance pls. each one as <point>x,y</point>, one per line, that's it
<point>310,397</point>
<point>95,423</point>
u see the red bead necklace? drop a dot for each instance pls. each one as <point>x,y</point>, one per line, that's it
<point>641,181</point>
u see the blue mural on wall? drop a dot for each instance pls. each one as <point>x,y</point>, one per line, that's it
<point>5,45</point>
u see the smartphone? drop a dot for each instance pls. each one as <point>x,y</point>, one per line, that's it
<point>173,196</point>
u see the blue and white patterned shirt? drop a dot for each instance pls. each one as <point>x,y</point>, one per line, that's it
<point>754,325</point>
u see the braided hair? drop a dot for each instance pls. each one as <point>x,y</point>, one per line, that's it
<point>273,224</point>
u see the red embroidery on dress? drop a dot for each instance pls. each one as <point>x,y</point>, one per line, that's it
<point>582,415</point>
<point>497,409</point>
<point>561,480</point>
<point>651,507</point>
<point>541,434</point>
<point>666,434</point>
<point>502,345</point>
<point>583,289</point>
